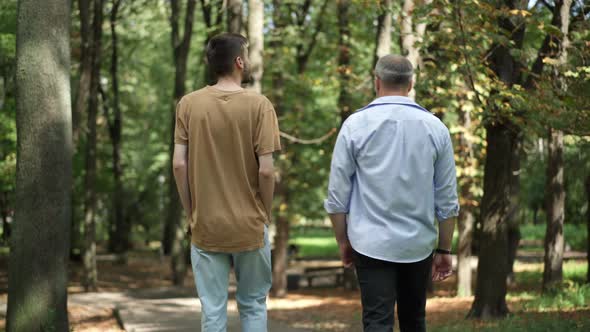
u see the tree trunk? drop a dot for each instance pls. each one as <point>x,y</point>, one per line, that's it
<point>466,218</point>
<point>85,68</point>
<point>412,37</point>
<point>174,229</point>
<point>492,269</point>
<point>256,39</point>
<point>344,69</point>
<point>588,227</point>
<point>501,184</point>
<point>512,218</point>
<point>119,237</point>
<point>383,41</point>
<point>555,208</point>
<point>37,287</point>
<point>90,272</point>
<point>234,16</point>
<point>554,188</point>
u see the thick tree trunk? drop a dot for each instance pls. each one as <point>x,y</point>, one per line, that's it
<point>383,41</point>
<point>90,271</point>
<point>492,270</point>
<point>466,218</point>
<point>37,287</point>
<point>555,208</point>
<point>85,68</point>
<point>234,16</point>
<point>344,69</point>
<point>256,39</point>
<point>119,236</point>
<point>174,228</point>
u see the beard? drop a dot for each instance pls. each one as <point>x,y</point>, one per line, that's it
<point>246,75</point>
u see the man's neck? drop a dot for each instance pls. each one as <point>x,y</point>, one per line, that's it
<point>229,83</point>
<point>392,93</point>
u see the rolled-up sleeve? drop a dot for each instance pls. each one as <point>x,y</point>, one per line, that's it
<point>446,202</point>
<point>342,171</point>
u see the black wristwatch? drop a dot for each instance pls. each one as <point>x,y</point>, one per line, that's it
<point>442,251</point>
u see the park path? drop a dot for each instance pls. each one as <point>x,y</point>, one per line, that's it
<point>161,309</point>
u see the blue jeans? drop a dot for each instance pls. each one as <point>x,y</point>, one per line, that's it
<point>254,276</point>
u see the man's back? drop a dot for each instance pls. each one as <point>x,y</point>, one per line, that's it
<point>400,179</point>
<point>225,131</point>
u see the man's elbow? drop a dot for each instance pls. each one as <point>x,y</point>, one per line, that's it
<point>266,172</point>
<point>179,165</point>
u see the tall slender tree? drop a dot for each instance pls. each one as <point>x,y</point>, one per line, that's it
<point>344,98</point>
<point>466,219</point>
<point>412,35</point>
<point>383,40</point>
<point>174,231</point>
<point>120,230</point>
<point>81,102</point>
<point>90,271</point>
<point>234,16</point>
<point>554,188</point>
<point>256,42</point>
<point>37,287</point>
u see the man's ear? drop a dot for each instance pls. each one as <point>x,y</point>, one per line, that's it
<point>411,86</point>
<point>239,62</point>
<point>377,84</point>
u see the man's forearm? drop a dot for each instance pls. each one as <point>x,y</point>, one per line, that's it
<point>181,177</point>
<point>339,225</point>
<point>266,186</point>
<point>445,233</point>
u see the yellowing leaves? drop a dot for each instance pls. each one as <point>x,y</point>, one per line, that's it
<point>520,12</point>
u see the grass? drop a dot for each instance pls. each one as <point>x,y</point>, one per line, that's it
<point>532,322</point>
<point>316,242</point>
<point>575,235</point>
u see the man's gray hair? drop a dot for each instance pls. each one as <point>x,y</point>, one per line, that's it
<point>395,71</point>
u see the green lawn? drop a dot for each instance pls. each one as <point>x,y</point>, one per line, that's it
<point>315,242</point>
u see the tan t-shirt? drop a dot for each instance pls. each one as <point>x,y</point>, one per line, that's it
<point>225,132</point>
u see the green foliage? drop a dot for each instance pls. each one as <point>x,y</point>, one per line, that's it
<point>574,234</point>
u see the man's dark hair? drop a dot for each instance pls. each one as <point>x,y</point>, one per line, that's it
<point>222,50</point>
<point>395,71</point>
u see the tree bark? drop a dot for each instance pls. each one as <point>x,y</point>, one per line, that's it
<point>119,237</point>
<point>213,18</point>
<point>174,229</point>
<point>383,40</point>
<point>90,271</point>
<point>281,238</point>
<point>234,16</point>
<point>37,287</point>
<point>344,69</point>
<point>85,68</point>
<point>554,188</point>
<point>588,227</point>
<point>555,208</point>
<point>412,36</point>
<point>501,183</point>
<point>492,268</point>
<point>466,218</point>
<point>256,39</point>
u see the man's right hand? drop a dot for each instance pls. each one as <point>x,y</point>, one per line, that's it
<point>346,254</point>
<point>442,267</point>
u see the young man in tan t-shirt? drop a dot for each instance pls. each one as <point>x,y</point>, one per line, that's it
<point>223,166</point>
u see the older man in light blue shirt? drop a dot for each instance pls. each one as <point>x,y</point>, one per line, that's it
<point>392,173</point>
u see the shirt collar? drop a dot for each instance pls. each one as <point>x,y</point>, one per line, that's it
<point>393,99</point>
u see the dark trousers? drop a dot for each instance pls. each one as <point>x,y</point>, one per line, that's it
<point>383,284</point>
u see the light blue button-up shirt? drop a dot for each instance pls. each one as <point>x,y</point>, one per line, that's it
<point>392,172</point>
